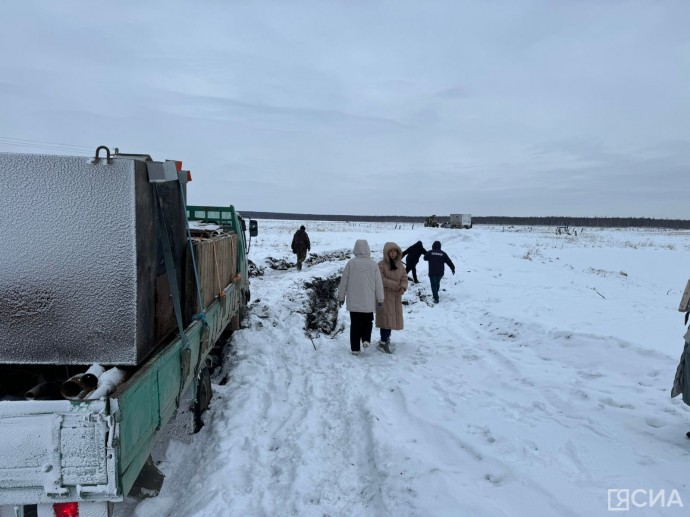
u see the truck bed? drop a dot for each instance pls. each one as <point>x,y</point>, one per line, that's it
<point>93,450</point>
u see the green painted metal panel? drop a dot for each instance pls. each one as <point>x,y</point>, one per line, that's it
<point>152,396</point>
<point>216,214</point>
<point>139,417</point>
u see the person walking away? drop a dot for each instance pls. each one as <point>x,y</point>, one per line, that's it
<point>438,260</point>
<point>362,287</point>
<point>414,253</point>
<point>394,277</point>
<point>300,246</point>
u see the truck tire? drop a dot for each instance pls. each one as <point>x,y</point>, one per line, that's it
<point>203,397</point>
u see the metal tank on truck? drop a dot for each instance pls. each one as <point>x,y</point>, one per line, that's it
<point>460,221</point>
<point>111,303</point>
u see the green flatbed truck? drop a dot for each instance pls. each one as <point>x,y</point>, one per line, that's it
<point>111,278</point>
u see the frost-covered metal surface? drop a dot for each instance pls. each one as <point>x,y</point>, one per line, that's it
<point>56,449</point>
<point>68,259</point>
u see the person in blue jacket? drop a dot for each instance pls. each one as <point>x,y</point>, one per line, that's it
<point>437,260</point>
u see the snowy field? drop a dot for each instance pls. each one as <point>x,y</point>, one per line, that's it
<point>541,380</point>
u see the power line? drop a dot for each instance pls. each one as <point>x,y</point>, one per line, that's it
<point>46,148</point>
<point>52,146</point>
<point>42,142</point>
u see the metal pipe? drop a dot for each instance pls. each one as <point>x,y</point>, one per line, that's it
<point>43,391</point>
<point>84,394</point>
<point>80,385</point>
<point>90,377</point>
<point>72,387</point>
<point>107,383</point>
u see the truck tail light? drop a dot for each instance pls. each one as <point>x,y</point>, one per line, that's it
<point>66,509</point>
<point>189,175</point>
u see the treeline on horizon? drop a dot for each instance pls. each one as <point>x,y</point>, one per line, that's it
<point>603,222</point>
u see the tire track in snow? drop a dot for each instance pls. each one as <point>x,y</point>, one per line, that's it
<point>331,428</point>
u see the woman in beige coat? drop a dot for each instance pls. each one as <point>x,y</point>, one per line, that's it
<point>390,316</point>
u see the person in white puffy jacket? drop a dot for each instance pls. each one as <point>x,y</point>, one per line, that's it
<point>362,287</point>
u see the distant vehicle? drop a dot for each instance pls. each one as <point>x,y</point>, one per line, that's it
<point>431,222</point>
<point>460,220</point>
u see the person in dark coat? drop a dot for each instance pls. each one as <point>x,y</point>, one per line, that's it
<point>414,253</point>
<point>438,260</point>
<point>300,246</point>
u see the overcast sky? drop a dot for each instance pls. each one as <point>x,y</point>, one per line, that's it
<point>488,107</point>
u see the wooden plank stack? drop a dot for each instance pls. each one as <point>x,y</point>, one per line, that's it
<point>216,260</point>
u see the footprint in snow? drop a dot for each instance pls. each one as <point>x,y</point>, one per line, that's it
<point>613,403</point>
<point>656,423</point>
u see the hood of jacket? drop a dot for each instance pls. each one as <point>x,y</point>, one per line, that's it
<point>391,246</point>
<point>436,245</point>
<point>361,249</point>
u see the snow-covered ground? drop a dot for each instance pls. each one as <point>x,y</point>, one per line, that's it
<point>541,380</point>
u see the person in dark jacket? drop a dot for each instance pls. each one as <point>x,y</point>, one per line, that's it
<point>300,246</point>
<point>437,264</point>
<point>414,253</point>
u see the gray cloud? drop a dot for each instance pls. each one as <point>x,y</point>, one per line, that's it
<point>454,92</point>
<point>508,108</point>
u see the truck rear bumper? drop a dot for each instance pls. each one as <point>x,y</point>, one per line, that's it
<point>57,451</point>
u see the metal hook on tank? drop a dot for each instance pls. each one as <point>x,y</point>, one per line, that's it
<point>97,158</point>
